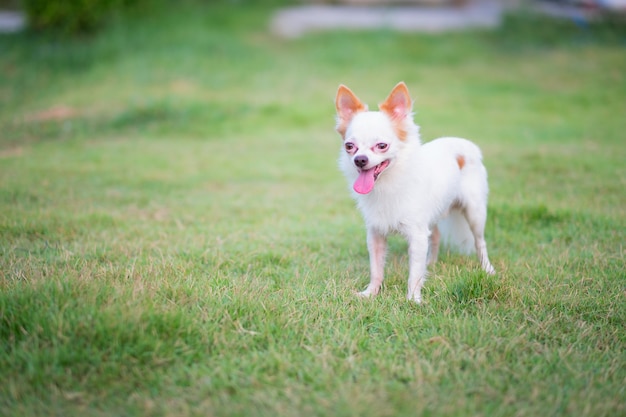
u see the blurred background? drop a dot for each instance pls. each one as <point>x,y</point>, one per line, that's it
<point>162,64</point>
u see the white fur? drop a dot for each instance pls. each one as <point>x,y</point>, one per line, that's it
<point>425,189</point>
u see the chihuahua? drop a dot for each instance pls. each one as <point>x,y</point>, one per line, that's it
<point>424,192</point>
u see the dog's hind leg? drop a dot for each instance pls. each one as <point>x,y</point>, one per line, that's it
<point>476,216</point>
<point>433,246</point>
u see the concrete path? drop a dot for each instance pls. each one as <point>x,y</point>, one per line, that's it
<point>296,21</point>
<point>11,22</point>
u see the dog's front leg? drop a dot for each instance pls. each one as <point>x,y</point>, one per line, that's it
<point>418,254</point>
<point>377,247</point>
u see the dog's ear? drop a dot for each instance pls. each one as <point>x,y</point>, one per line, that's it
<point>347,104</point>
<point>398,104</point>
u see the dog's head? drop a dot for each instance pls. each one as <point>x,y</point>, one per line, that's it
<point>372,140</point>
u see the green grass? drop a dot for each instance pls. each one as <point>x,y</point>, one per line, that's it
<point>176,239</point>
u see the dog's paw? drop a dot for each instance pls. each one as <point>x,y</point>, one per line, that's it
<point>416,297</point>
<point>367,293</point>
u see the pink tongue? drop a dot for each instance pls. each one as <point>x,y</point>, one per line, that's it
<point>365,183</point>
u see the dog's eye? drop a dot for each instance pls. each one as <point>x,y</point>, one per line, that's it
<point>350,147</point>
<point>382,146</point>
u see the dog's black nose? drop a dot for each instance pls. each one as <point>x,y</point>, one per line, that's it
<point>360,161</point>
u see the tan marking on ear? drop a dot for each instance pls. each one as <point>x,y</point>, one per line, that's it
<point>460,159</point>
<point>398,106</point>
<point>398,102</point>
<point>401,132</point>
<point>347,105</point>
<point>341,129</point>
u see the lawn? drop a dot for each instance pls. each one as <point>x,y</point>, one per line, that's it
<point>176,238</point>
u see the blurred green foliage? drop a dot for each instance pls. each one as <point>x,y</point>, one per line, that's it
<point>73,16</point>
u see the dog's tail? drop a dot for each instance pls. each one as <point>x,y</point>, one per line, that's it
<point>456,234</point>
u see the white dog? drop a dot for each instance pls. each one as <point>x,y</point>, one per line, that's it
<point>402,186</point>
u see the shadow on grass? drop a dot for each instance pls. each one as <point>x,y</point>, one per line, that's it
<point>474,288</point>
<point>157,118</point>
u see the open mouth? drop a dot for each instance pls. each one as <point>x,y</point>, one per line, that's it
<point>380,168</point>
<point>365,182</point>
